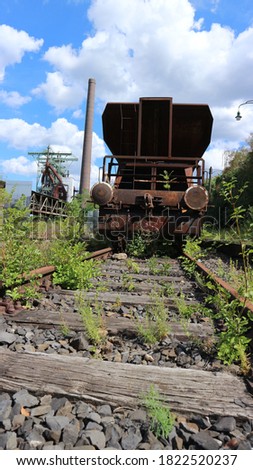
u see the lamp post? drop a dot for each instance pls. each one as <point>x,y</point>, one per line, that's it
<point>238,115</point>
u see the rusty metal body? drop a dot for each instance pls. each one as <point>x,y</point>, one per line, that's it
<point>153,181</point>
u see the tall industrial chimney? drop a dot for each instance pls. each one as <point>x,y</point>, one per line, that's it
<point>87,141</point>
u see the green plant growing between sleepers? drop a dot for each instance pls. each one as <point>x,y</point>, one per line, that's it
<point>155,326</point>
<point>160,416</point>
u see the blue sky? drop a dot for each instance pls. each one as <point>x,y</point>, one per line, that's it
<point>197,51</point>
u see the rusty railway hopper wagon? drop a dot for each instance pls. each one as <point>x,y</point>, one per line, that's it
<point>154,179</point>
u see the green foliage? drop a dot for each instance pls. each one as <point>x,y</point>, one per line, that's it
<point>65,330</point>
<point>72,270</point>
<point>153,265</point>
<point>192,247</point>
<point>138,247</point>
<point>188,265</point>
<point>128,283</point>
<point>155,325</point>
<point>233,342</point>
<point>232,194</point>
<point>14,294</point>
<point>19,253</point>
<point>161,418</point>
<point>168,179</point>
<point>239,166</point>
<point>158,268</point>
<point>132,266</point>
<point>92,318</point>
<point>184,309</point>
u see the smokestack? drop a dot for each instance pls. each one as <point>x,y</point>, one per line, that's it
<point>87,141</point>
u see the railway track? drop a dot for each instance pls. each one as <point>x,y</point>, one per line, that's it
<point>45,352</point>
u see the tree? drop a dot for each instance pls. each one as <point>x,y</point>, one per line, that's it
<point>239,166</point>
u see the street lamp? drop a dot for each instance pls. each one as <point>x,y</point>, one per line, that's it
<point>238,115</point>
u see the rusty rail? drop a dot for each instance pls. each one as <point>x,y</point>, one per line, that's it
<point>43,275</point>
<point>234,294</point>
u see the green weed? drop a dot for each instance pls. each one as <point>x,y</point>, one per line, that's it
<point>155,325</point>
<point>161,418</point>
<point>92,318</point>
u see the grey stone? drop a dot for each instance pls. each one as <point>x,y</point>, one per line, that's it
<point>131,439</point>
<point>79,342</point>
<point>93,416</point>
<point>41,410</point>
<point>52,435</point>
<point>59,446</point>
<point>204,441</point>
<point>202,421</point>
<point>21,331</point>
<point>46,400</point>
<point>85,447</point>
<point>16,410</point>
<point>107,420</point>
<point>97,438</point>
<point>11,442</point>
<point>5,408</point>
<point>7,424</point>
<point>56,299</point>
<point>56,423</point>
<point>119,256</point>
<point>71,432</point>
<point>62,406</point>
<point>137,359</point>
<point>3,441</point>
<point>154,443</point>
<point>124,356</point>
<point>177,443</point>
<point>18,421</point>
<point>189,427</point>
<point>7,338</point>
<point>124,310</point>
<point>83,410</point>
<point>138,415</point>
<point>35,439</point>
<point>92,425</point>
<point>25,398</point>
<point>104,410</point>
<point>225,424</point>
<point>113,433</point>
<point>244,445</point>
<point>27,426</point>
<point>113,445</point>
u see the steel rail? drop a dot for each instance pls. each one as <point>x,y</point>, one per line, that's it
<point>234,294</point>
<point>43,276</point>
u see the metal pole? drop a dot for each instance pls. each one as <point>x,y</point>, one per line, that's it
<point>87,141</point>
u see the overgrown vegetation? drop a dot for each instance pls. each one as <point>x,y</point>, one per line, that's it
<point>92,317</point>
<point>161,418</point>
<point>155,326</point>
<point>19,254</point>
<point>234,318</point>
<point>22,249</point>
<point>239,169</point>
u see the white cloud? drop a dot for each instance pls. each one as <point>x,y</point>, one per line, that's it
<point>13,99</point>
<point>20,166</point>
<point>60,94</point>
<point>13,45</point>
<point>62,136</point>
<point>167,53</point>
<point>142,48</point>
